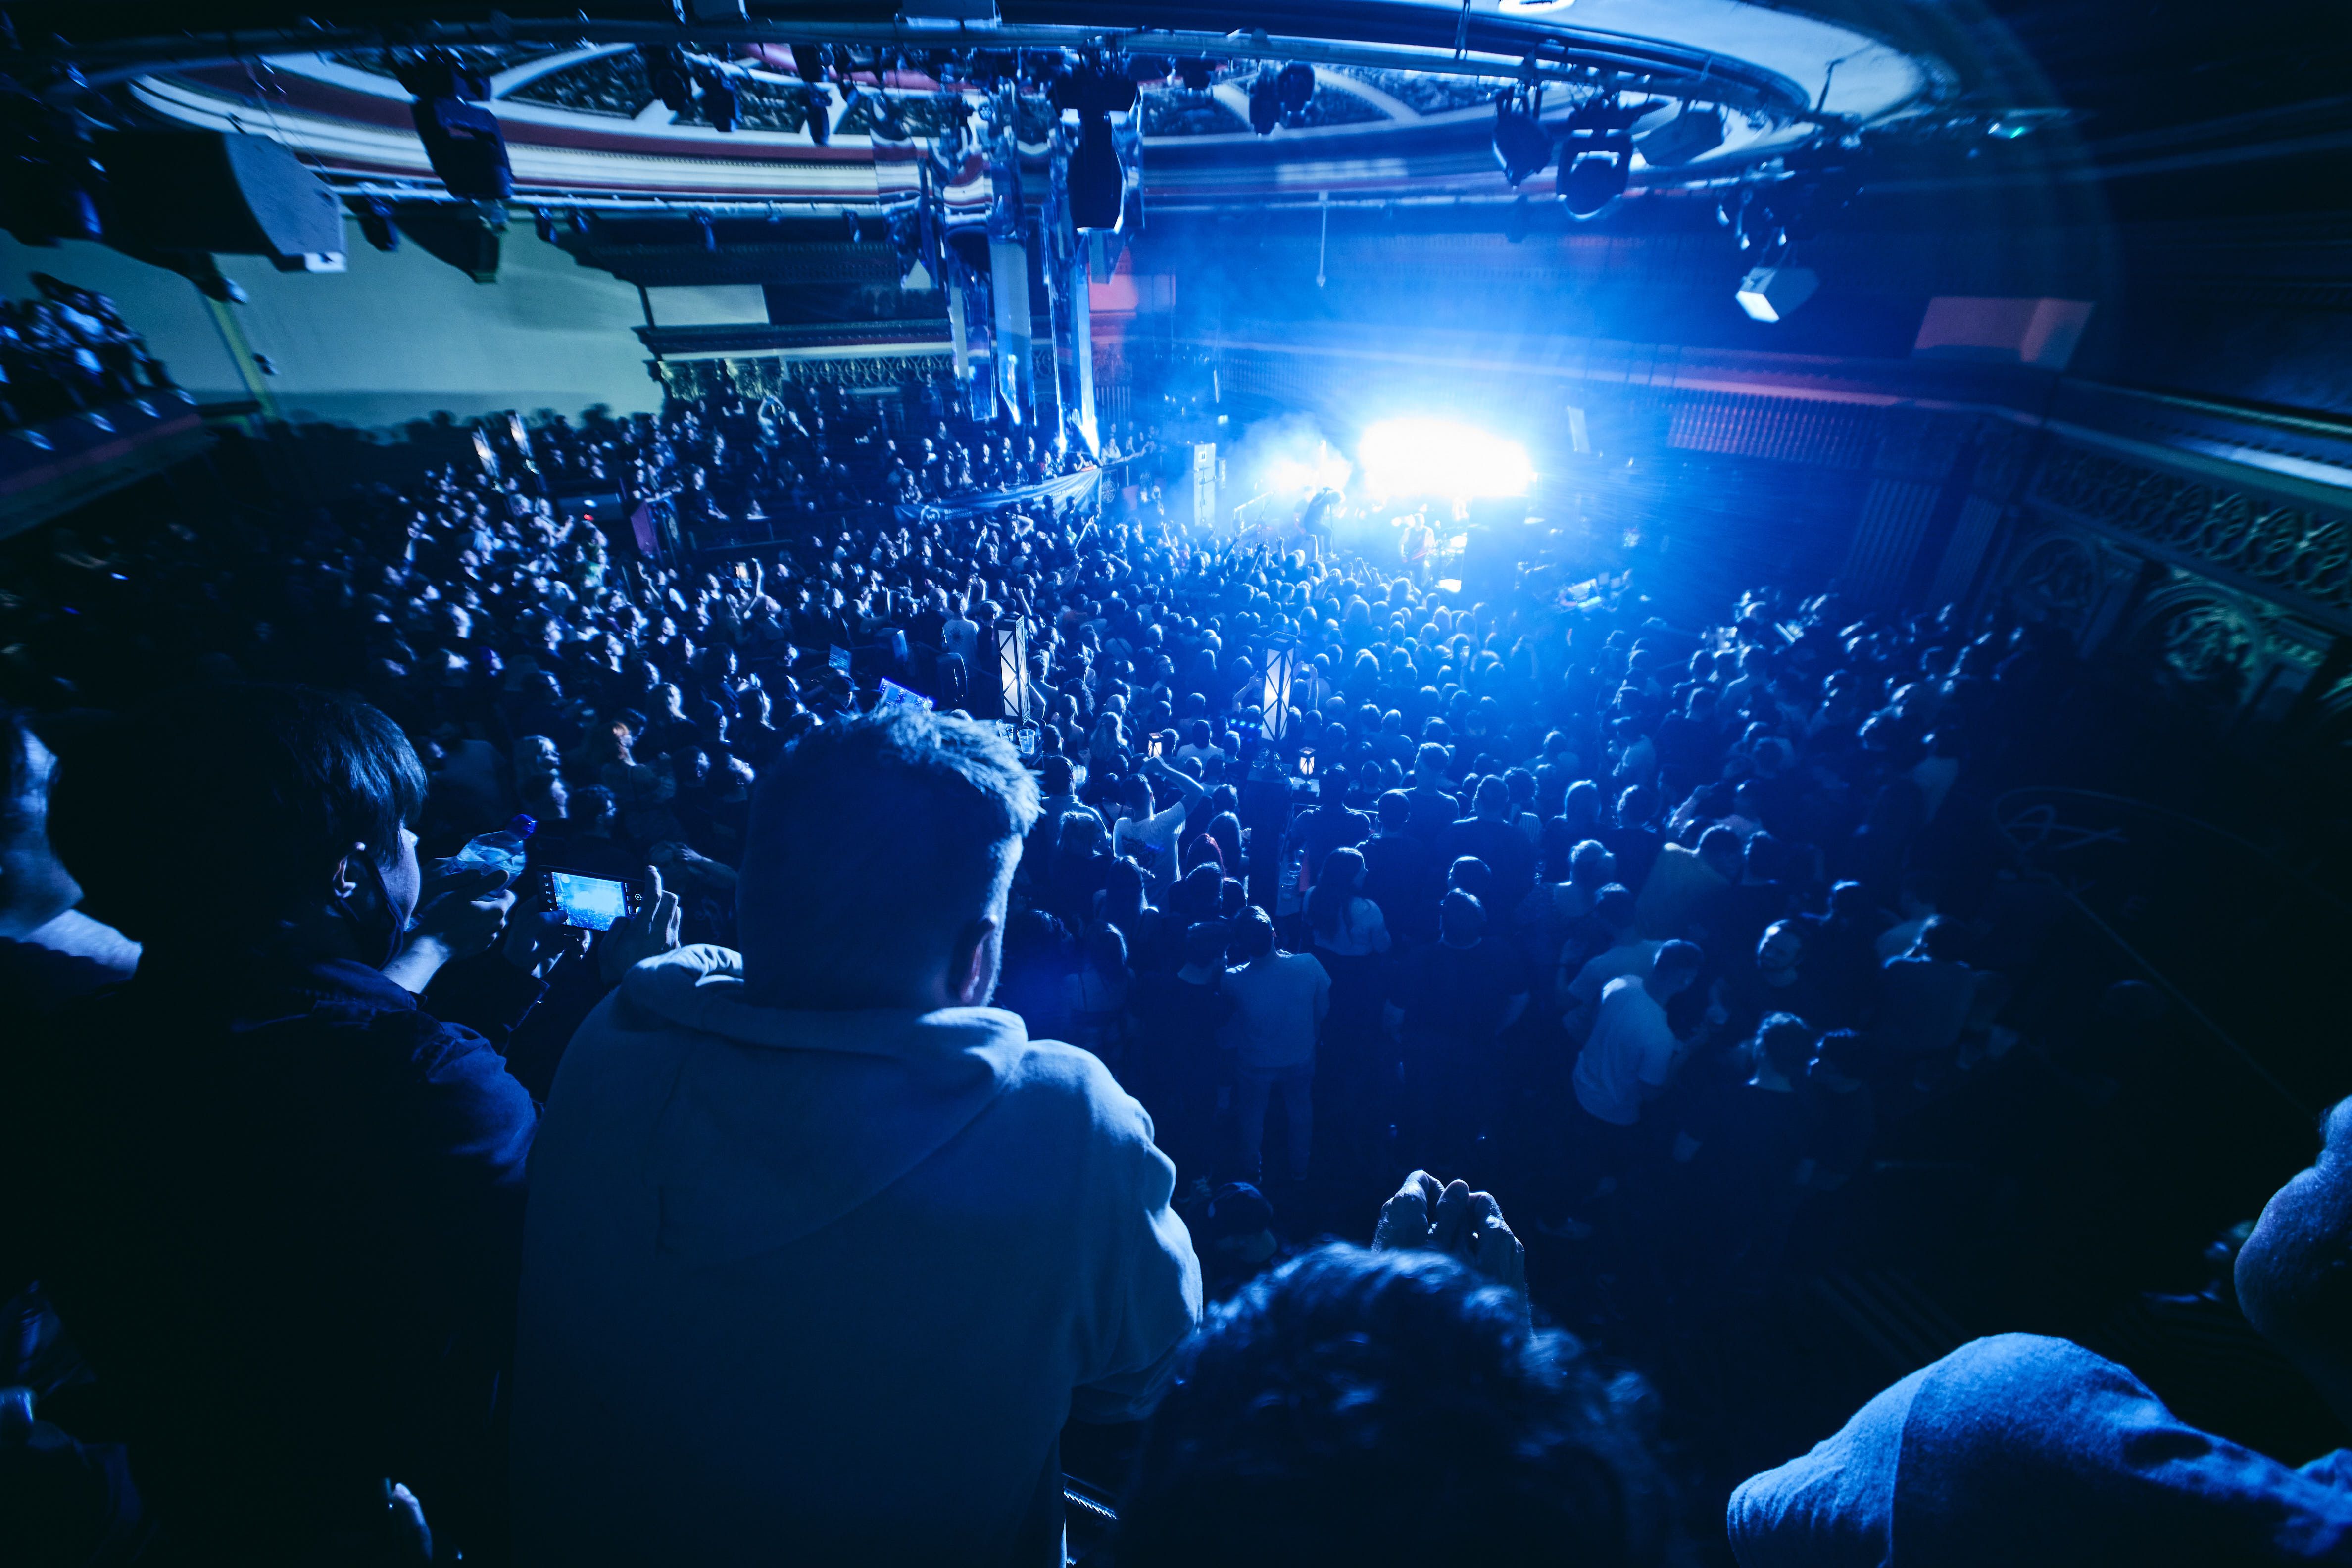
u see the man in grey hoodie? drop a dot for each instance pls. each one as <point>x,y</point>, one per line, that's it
<point>821,1251</point>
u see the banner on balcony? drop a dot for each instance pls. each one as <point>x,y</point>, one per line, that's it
<point>1070,487</point>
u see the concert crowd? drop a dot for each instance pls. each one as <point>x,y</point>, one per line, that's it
<point>366,1210</point>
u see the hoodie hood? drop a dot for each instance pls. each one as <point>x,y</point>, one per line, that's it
<point>780,1121</point>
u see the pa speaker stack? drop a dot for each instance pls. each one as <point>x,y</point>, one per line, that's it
<point>216,193</point>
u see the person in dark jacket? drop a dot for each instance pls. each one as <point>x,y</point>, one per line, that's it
<point>285,1187</point>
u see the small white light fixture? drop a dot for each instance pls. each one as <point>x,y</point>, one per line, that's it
<point>1774,293</point>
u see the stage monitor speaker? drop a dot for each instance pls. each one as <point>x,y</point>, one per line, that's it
<point>217,191</point>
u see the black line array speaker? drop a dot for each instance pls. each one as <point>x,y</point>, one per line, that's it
<point>214,190</point>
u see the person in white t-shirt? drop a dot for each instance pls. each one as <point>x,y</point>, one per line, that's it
<point>1630,1057</point>
<point>961,634</point>
<point>1627,1062</point>
<point>1150,834</point>
<point>958,656</point>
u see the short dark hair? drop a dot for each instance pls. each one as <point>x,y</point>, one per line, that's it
<point>1056,773</point>
<point>1460,915</point>
<point>1470,874</point>
<point>1386,1407</point>
<point>203,819</point>
<point>872,842</point>
<point>1205,942</point>
<point>1252,935</point>
<point>1786,1041</point>
<point>1396,810</point>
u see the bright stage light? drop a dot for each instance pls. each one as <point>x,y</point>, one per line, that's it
<point>1435,458</point>
<point>1770,293</point>
<point>1324,470</point>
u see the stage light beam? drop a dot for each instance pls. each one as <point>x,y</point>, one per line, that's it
<point>1420,456</point>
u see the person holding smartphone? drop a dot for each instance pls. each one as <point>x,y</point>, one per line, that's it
<point>280,1199</point>
<point>1149,833</point>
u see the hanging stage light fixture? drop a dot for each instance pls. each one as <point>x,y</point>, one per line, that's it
<point>1265,104</point>
<point>1520,145</point>
<point>462,140</point>
<point>1297,85</point>
<point>1098,182</point>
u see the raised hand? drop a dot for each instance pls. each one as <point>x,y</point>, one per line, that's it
<point>1425,1215</point>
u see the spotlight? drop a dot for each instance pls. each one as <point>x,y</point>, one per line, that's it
<point>1196,73</point>
<point>1596,179</point>
<point>1773,293</point>
<point>666,74</point>
<point>1265,104</point>
<point>1520,145</point>
<point>1296,84</point>
<point>718,102</point>
<point>462,141</point>
<point>1420,456</point>
<point>1596,157</point>
<point>1098,184</point>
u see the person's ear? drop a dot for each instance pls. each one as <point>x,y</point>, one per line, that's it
<point>345,880</point>
<point>971,975</point>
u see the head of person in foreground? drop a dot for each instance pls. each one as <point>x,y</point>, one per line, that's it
<point>880,855</point>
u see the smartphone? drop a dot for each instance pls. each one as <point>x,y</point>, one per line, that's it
<point>1157,746</point>
<point>897,696</point>
<point>590,903</point>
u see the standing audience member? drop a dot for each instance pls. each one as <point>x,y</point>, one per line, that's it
<point>286,1183</point>
<point>1177,1016</point>
<point>846,1173</point>
<point>1457,997</point>
<point>1628,1061</point>
<point>1398,873</point>
<point>1280,1000</point>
